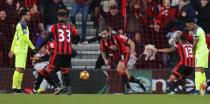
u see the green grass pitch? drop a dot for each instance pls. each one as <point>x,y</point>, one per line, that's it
<point>103,99</point>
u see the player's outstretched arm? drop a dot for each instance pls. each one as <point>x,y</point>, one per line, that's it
<point>166,50</point>
<point>132,47</point>
<point>28,42</point>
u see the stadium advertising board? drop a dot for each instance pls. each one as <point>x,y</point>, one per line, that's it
<point>99,82</point>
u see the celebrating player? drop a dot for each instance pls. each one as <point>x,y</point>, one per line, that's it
<point>62,34</point>
<point>115,54</point>
<point>185,65</point>
<point>201,54</point>
<point>19,48</point>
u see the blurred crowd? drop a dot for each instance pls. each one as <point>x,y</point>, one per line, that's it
<point>144,21</point>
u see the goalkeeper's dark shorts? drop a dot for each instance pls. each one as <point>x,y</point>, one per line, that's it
<point>182,71</point>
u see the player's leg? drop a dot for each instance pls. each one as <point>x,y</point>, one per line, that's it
<point>67,80</point>
<point>54,64</point>
<point>135,80</point>
<point>174,79</point>
<point>188,70</point>
<point>200,76</point>
<point>66,67</point>
<point>120,70</point>
<point>75,10</point>
<point>20,64</point>
<point>123,71</point>
<point>99,62</point>
<point>200,80</point>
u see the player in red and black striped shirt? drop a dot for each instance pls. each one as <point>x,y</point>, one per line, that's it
<point>185,65</point>
<point>63,35</point>
<point>115,54</point>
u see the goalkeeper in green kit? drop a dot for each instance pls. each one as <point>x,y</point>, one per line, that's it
<point>19,49</point>
<point>201,53</point>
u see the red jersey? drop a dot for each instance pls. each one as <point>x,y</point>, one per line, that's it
<point>116,46</point>
<point>166,15</point>
<point>185,54</point>
<point>62,34</point>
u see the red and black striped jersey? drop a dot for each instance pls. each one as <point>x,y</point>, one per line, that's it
<point>62,34</point>
<point>186,56</point>
<point>116,45</point>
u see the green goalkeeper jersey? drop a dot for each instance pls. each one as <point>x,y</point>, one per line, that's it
<point>200,34</point>
<point>21,40</point>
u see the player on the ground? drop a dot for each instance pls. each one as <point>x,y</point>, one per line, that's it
<point>40,62</point>
<point>184,67</point>
<point>201,53</point>
<point>115,54</point>
<point>19,48</point>
<point>63,34</point>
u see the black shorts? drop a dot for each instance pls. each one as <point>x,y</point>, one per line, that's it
<point>117,58</point>
<point>60,61</point>
<point>182,70</point>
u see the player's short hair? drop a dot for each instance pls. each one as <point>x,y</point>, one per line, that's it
<point>107,28</point>
<point>191,20</point>
<point>63,12</point>
<point>183,37</point>
<point>23,12</point>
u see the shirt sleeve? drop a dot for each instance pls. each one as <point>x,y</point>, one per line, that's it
<point>13,42</point>
<point>23,34</point>
<point>28,42</point>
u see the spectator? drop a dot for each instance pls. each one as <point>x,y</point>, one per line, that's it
<point>155,36</point>
<point>133,18</point>
<point>151,11</point>
<point>204,15</point>
<point>114,19</point>
<point>2,34</point>
<point>36,20</point>
<point>5,37</point>
<point>185,11</point>
<point>50,11</point>
<point>82,5</point>
<point>166,15</point>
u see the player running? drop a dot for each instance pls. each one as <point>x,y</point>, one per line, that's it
<point>201,53</point>
<point>115,54</point>
<point>19,48</point>
<point>185,65</point>
<point>63,35</point>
